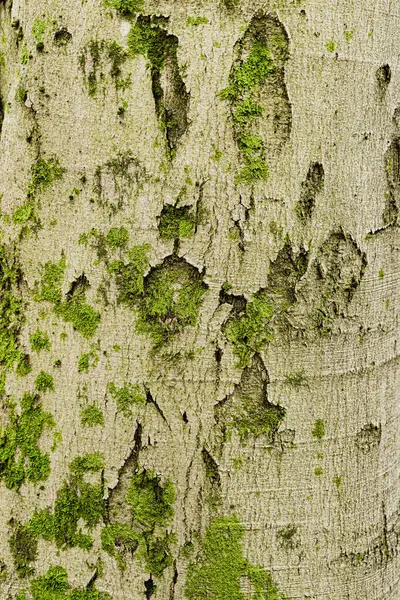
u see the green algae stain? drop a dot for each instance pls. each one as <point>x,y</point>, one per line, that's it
<point>221,569</point>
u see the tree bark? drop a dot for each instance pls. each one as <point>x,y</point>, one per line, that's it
<point>199,300</point>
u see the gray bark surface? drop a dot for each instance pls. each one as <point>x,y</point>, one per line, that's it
<point>297,437</point>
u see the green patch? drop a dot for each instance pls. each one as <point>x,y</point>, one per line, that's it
<point>129,274</point>
<point>127,8</point>
<point>127,397</point>
<point>152,511</point>
<point>38,30</point>
<point>173,295</point>
<point>152,41</point>
<point>11,314</point>
<point>151,501</point>
<point>338,481</point>
<point>254,419</point>
<point>24,213</point>
<point>21,94</point>
<point>196,21</point>
<point>43,174</point>
<point>80,314</point>
<point>318,471</point>
<point>92,416</point>
<point>349,34</point>
<point>251,73</point>
<point>118,539</point>
<point>44,382</point>
<point>231,4</point>
<point>20,456</point>
<point>54,586</point>
<point>117,56</point>
<point>87,361</point>
<point>74,309</point>
<point>330,46</point>
<point>249,333</point>
<point>77,501</point>
<point>149,37</point>
<point>381,273</point>
<point>24,55</point>
<point>175,223</point>
<point>23,546</point>
<point>51,281</point>
<point>221,570</point>
<point>246,79</point>
<point>286,537</point>
<point>319,429</point>
<point>117,237</point>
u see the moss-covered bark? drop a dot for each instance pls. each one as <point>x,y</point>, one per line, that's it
<point>199,300</point>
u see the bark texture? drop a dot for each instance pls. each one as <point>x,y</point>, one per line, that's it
<point>199,324</point>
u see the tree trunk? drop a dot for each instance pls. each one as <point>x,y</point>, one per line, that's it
<point>199,307</point>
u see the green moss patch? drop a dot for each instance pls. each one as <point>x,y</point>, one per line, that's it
<point>149,37</point>
<point>11,312</point>
<point>129,274</point>
<point>173,295</point>
<point>175,223</point>
<point>43,174</point>
<point>127,8</point>
<point>151,502</point>
<point>92,416</point>
<point>44,382</point>
<point>39,341</point>
<point>74,309</point>
<point>117,237</point>
<point>20,456</point>
<point>127,398</point>
<point>53,585</point>
<point>77,501</point>
<point>249,329</point>
<point>250,333</point>
<point>23,546</point>
<point>221,569</point>
<point>318,429</point>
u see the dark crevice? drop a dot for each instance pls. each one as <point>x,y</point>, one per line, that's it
<point>78,287</point>
<point>313,185</point>
<point>331,282</point>
<point>151,38</point>
<point>151,400</point>
<point>185,417</point>
<point>173,583</point>
<point>116,507</point>
<point>384,76</point>
<point>238,303</point>
<point>212,472</point>
<point>62,37</point>
<point>150,588</point>
<point>392,165</point>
